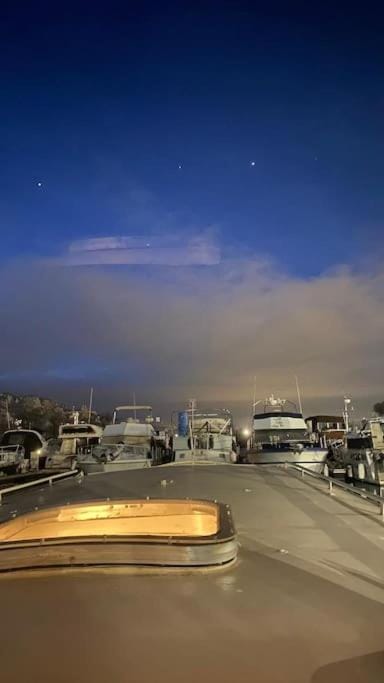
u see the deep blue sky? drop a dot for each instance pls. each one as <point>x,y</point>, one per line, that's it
<point>101,103</point>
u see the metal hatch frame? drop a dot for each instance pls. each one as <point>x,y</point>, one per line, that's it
<point>184,552</point>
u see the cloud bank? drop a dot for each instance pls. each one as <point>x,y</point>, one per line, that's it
<point>173,333</point>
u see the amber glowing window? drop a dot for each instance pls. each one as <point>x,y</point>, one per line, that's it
<point>176,518</point>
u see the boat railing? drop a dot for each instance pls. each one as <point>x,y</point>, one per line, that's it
<point>37,482</point>
<point>117,448</point>
<point>334,484</point>
<point>14,449</point>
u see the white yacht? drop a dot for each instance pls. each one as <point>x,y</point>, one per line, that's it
<point>204,437</point>
<point>74,440</point>
<point>280,435</point>
<point>128,443</point>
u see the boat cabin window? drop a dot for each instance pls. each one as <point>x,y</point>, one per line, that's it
<point>276,435</point>
<point>78,429</point>
<point>53,446</point>
<point>359,442</point>
<point>84,443</point>
<point>13,439</point>
<point>28,440</point>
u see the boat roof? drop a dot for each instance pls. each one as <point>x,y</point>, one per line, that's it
<point>129,428</point>
<point>24,431</point>
<point>304,602</point>
<point>288,509</point>
<point>78,429</point>
<point>134,407</point>
<point>212,416</point>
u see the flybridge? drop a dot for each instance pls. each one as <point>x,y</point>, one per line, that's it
<point>275,416</point>
<point>274,405</point>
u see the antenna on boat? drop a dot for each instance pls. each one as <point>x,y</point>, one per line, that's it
<point>298,395</point>
<point>7,410</point>
<point>254,394</point>
<point>134,404</point>
<point>90,404</point>
<point>347,403</point>
<point>192,406</point>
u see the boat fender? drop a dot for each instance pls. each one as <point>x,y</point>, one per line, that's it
<point>361,471</point>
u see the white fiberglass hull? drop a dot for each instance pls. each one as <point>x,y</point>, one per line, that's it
<point>204,455</point>
<point>92,466</point>
<point>311,458</point>
<point>114,457</point>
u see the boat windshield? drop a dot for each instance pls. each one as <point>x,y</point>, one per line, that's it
<point>356,442</point>
<point>13,439</point>
<point>77,430</point>
<point>274,435</point>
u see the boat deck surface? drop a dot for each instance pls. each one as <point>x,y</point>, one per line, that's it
<point>303,603</point>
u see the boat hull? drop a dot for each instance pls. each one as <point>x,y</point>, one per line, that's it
<point>94,467</point>
<point>313,458</point>
<point>204,455</point>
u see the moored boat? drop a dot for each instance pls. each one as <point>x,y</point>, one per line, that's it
<point>129,443</point>
<point>280,435</point>
<point>74,440</point>
<point>205,436</point>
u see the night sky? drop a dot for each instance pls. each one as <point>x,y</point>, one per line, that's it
<point>257,132</point>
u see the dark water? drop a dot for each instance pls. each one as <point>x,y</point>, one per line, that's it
<point>374,489</point>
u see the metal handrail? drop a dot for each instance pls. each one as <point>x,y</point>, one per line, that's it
<point>50,480</point>
<point>377,500</point>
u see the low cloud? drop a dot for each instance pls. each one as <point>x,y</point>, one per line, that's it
<point>151,250</point>
<point>170,334</point>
